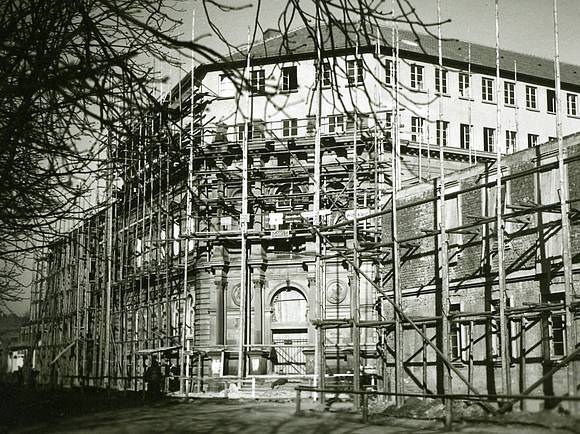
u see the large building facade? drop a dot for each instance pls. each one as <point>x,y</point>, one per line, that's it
<point>160,270</point>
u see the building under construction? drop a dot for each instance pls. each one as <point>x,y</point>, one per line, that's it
<point>328,205</point>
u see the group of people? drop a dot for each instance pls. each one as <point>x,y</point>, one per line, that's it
<point>155,376</point>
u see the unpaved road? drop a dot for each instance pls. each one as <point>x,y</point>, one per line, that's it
<point>222,416</point>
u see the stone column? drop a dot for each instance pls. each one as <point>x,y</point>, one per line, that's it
<point>258,332</point>
<point>220,286</point>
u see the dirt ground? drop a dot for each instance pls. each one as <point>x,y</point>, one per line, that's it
<point>118,414</point>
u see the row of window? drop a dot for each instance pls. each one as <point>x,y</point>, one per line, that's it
<point>355,77</point>
<point>465,135</point>
<point>459,341</point>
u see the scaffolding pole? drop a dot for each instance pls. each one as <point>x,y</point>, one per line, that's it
<point>570,293</point>
<point>244,220</point>
<point>320,358</point>
<point>443,240</point>
<point>503,332</point>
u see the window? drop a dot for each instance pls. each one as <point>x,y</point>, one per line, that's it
<point>440,81</point>
<point>226,86</point>
<point>290,127</point>
<point>336,124</point>
<point>390,72</point>
<point>496,345</point>
<point>572,104</point>
<point>289,78</point>
<point>531,101</point>
<point>354,72</point>
<point>465,136</point>
<point>532,140</point>
<point>551,100</point>
<point>258,81</point>
<point>558,334</point>
<point>326,75</point>
<point>388,125</point>
<point>464,84</point>
<point>417,128</point>
<point>442,130</point>
<point>509,93</point>
<point>255,130</point>
<point>417,77</point>
<point>455,335</point>
<point>510,141</point>
<point>488,139</point>
<point>487,89</point>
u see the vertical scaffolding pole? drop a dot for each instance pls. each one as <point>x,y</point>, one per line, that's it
<point>469,96</point>
<point>244,219</point>
<point>516,106</point>
<point>320,364</point>
<point>444,258</point>
<point>354,296</point>
<point>397,294</point>
<point>503,333</point>
<point>570,293</point>
<point>109,253</point>
<point>182,353</point>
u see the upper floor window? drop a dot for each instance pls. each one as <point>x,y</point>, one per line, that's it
<point>510,141</point>
<point>390,72</point>
<point>532,140</point>
<point>572,104</point>
<point>487,89</point>
<point>326,74</point>
<point>226,86</point>
<point>289,78</point>
<point>440,81</point>
<point>464,85</point>
<point>509,93</point>
<point>417,77</point>
<point>256,130</point>
<point>417,128</point>
<point>258,81</point>
<point>290,127</point>
<point>551,100</point>
<point>531,98</point>
<point>336,124</point>
<point>465,136</point>
<point>488,139</point>
<point>354,72</point>
<point>442,130</point>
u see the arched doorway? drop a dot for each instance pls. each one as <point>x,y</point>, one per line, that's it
<point>289,328</point>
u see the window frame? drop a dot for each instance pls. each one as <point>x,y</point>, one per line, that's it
<point>441,81</point>
<point>390,72</point>
<point>326,75</point>
<point>442,133</point>
<point>488,139</point>
<point>572,102</point>
<point>417,129</point>
<point>417,76</point>
<point>533,138</point>
<point>258,81</point>
<point>487,93</point>
<point>464,85</point>
<point>463,143</point>
<point>289,78</point>
<point>290,128</point>
<point>511,140</point>
<point>531,97</point>
<point>509,93</point>
<point>355,72</point>
<point>551,101</point>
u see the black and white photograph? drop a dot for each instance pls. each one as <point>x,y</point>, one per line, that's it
<point>290,216</point>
